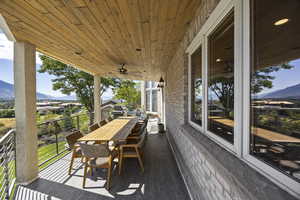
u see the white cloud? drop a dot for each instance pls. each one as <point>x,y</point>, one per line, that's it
<point>7,49</point>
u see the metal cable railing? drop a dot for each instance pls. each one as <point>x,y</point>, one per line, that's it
<point>51,143</point>
<point>7,164</point>
<point>51,136</point>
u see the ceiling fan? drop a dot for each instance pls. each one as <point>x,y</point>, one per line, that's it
<point>124,71</point>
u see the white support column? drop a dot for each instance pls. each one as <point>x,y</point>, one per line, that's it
<point>25,109</point>
<point>97,98</point>
<point>143,95</point>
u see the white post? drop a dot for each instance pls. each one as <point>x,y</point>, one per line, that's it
<point>97,98</point>
<point>25,109</point>
<point>143,95</point>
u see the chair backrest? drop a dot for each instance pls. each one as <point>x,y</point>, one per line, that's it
<point>93,127</point>
<point>73,137</point>
<point>141,142</point>
<point>110,119</point>
<point>102,123</point>
<point>94,151</point>
<point>137,128</point>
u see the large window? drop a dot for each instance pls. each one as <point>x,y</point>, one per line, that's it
<point>151,96</point>
<point>221,79</point>
<point>148,101</point>
<point>244,80</point>
<point>154,100</point>
<point>275,84</point>
<point>196,87</point>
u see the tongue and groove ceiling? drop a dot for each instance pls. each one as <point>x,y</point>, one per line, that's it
<point>98,35</point>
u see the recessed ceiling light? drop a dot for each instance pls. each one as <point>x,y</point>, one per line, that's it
<point>281,22</point>
<point>138,49</point>
<point>219,60</point>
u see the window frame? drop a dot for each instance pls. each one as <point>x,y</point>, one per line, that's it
<point>279,178</point>
<point>196,47</point>
<point>241,146</point>
<point>201,39</point>
<point>150,89</point>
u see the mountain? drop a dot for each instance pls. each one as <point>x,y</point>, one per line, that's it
<point>289,92</point>
<point>66,98</point>
<point>7,92</point>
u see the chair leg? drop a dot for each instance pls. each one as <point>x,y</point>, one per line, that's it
<point>120,161</point>
<point>71,163</point>
<point>140,161</point>
<point>91,171</point>
<point>108,175</point>
<point>84,175</point>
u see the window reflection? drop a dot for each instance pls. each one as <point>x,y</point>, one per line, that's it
<point>221,80</point>
<point>196,87</point>
<point>275,84</point>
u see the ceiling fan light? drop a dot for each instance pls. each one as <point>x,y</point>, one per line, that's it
<point>281,21</point>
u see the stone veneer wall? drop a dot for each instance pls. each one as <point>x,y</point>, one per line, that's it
<point>210,172</point>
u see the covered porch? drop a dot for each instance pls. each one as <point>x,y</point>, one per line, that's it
<point>157,182</point>
<point>206,52</point>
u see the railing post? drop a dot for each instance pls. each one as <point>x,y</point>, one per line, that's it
<point>56,140</point>
<point>6,171</point>
<point>77,119</point>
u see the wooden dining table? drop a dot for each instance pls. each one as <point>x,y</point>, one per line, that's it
<point>116,130</point>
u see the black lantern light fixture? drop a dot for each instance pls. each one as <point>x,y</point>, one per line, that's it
<point>161,83</point>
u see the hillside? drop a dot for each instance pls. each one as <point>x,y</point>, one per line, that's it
<point>289,92</point>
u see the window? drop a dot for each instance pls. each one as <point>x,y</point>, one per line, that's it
<point>196,87</point>
<point>151,96</point>
<point>148,99</point>
<point>154,100</point>
<point>248,81</point>
<point>148,84</point>
<point>275,85</point>
<point>220,104</point>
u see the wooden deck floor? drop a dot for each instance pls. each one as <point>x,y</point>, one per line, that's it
<point>161,179</point>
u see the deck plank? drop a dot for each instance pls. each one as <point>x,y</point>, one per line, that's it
<point>161,179</point>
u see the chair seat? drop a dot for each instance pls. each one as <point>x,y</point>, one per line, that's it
<point>129,152</point>
<point>78,152</point>
<point>98,161</point>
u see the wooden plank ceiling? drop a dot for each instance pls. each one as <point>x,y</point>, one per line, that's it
<point>98,35</point>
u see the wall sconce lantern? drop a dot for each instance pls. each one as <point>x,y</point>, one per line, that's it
<point>161,83</point>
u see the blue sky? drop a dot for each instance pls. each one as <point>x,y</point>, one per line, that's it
<point>43,81</point>
<point>284,78</point>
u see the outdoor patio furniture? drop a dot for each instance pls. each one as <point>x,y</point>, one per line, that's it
<point>102,123</point>
<point>117,130</point>
<point>97,156</point>
<point>132,151</point>
<point>137,131</point>
<point>72,139</point>
<point>109,119</point>
<point>93,127</point>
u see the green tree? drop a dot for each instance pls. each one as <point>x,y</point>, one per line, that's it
<point>223,87</point>
<point>70,80</point>
<point>128,92</point>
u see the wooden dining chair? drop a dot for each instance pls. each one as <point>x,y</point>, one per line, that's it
<point>75,148</point>
<point>94,127</point>
<point>137,131</point>
<point>132,151</point>
<point>102,123</point>
<point>97,156</point>
<point>110,119</point>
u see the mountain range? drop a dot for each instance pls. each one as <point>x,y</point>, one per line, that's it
<point>7,92</point>
<point>289,92</point>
